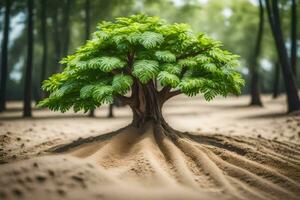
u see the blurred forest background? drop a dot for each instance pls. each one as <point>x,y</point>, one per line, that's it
<point>44,31</point>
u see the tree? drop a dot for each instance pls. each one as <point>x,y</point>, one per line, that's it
<point>87,19</point>
<point>66,27</point>
<point>87,35</point>
<point>44,40</point>
<point>276,81</point>
<point>128,55</point>
<point>56,36</point>
<point>290,85</point>
<point>294,37</point>
<point>4,55</point>
<point>28,72</point>
<point>110,111</point>
<point>255,88</point>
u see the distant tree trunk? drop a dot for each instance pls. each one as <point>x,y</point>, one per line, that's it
<point>28,72</point>
<point>110,111</point>
<point>56,37</point>
<point>294,37</point>
<point>44,42</point>
<point>255,87</point>
<point>87,19</point>
<point>290,85</point>
<point>66,27</point>
<point>4,55</point>
<point>87,35</point>
<point>276,80</point>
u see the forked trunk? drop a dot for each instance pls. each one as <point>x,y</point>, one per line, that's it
<point>147,106</point>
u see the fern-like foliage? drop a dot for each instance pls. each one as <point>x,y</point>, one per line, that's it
<point>168,79</point>
<point>145,70</point>
<point>144,49</point>
<point>106,64</point>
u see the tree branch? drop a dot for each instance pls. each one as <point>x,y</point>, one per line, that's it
<point>169,95</point>
<point>125,100</point>
<point>162,93</point>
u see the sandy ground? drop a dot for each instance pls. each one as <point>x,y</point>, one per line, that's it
<point>235,152</point>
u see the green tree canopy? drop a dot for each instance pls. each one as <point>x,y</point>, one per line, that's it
<point>139,50</point>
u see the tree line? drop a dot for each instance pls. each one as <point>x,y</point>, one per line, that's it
<point>61,35</point>
<point>286,60</point>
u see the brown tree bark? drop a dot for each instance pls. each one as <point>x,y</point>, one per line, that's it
<point>4,55</point>
<point>28,72</point>
<point>294,37</point>
<point>56,36</point>
<point>66,27</point>
<point>290,85</point>
<point>146,104</point>
<point>87,35</point>
<point>87,19</point>
<point>255,84</point>
<point>110,111</point>
<point>44,43</point>
<point>276,80</point>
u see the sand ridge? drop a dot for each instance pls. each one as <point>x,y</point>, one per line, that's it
<point>140,165</point>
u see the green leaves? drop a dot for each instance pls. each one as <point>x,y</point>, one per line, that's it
<point>64,89</point>
<point>151,39</point>
<point>122,83</point>
<point>145,70</point>
<point>87,91</point>
<point>187,62</point>
<point>146,48</point>
<point>191,86</point>
<point>103,94</point>
<point>54,82</point>
<point>167,78</point>
<point>106,64</point>
<point>172,68</point>
<point>165,56</point>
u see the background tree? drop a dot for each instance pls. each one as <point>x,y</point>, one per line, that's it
<point>28,72</point>
<point>4,55</point>
<point>87,35</point>
<point>255,88</point>
<point>129,55</point>
<point>43,19</point>
<point>56,36</point>
<point>294,37</point>
<point>276,80</point>
<point>66,27</point>
<point>290,85</point>
<point>110,110</point>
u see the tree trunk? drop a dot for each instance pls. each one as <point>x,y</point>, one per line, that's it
<point>290,85</point>
<point>276,80</point>
<point>147,105</point>
<point>110,111</point>
<point>87,19</point>
<point>66,28</point>
<point>294,38</point>
<point>28,72</point>
<point>4,55</point>
<point>87,34</point>
<point>56,36</point>
<point>44,43</point>
<point>92,113</point>
<point>255,87</point>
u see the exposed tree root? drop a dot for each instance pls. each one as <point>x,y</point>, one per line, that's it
<point>236,167</point>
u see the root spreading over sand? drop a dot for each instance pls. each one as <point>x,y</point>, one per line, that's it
<point>148,163</point>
